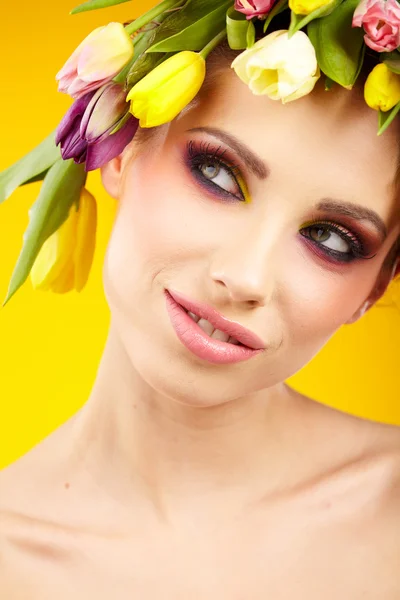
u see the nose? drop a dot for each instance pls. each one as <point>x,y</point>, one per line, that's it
<point>246,269</point>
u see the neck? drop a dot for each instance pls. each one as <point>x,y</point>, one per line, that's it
<point>141,442</point>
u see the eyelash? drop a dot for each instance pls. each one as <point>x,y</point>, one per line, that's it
<point>356,244</point>
<point>203,152</point>
<point>200,153</point>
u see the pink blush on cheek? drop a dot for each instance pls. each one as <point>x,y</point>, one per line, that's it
<point>317,299</point>
<point>159,220</point>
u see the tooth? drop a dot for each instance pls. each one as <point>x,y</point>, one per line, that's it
<point>206,326</point>
<point>193,316</point>
<point>233,341</point>
<point>220,335</point>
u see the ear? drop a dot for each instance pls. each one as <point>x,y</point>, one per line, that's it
<point>384,279</point>
<point>112,172</point>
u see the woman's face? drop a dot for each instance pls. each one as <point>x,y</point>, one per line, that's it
<point>278,217</point>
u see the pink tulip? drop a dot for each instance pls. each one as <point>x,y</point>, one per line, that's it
<point>254,8</point>
<point>97,60</point>
<point>381,22</point>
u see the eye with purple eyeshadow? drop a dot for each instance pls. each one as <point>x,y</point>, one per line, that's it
<point>214,171</point>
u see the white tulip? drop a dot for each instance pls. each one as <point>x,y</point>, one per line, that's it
<point>279,67</point>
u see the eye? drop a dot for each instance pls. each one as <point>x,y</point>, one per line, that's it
<point>220,176</point>
<point>215,173</point>
<point>329,239</point>
<point>335,241</point>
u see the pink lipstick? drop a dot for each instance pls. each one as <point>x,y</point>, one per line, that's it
<point>199,342</point>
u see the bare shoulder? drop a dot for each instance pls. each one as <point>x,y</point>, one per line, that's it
<point>33,472</point>
<point>40,516</point>
<point>33,535</point>
<point>34,489</point>
<point>363,450</point>
<point>367,434</point>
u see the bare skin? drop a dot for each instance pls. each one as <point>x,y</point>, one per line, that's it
<point>180,479</point>
<point>325,524</point>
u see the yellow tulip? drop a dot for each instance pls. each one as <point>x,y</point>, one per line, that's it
<point>164,92</point>
<point>305,7</point>
<point>65,259</point>
<point>382,88</point>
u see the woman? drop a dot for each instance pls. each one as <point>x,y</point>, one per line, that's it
<point>248,232</point>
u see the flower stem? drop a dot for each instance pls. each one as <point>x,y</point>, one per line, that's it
<point>213,44</point>
<point>120,78</point>
<point>151,14</point>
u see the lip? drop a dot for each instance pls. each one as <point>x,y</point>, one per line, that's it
<point>201,344</point>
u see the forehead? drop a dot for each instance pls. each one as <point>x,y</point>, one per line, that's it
<point>326,140</point>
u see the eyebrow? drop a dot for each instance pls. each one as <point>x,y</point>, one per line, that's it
<point>253,162</point>
<point>360,213</point>
<point>260,169</point>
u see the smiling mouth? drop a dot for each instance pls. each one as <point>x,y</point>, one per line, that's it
<point>209,335</point>
<point>211,331</point>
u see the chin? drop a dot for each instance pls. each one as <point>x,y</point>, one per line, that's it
<point>159,360</point>
<point>172,372</point>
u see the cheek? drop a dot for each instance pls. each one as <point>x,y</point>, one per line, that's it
<point>319,299</point>
<point>158,225</point>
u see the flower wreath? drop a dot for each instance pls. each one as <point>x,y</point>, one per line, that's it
<point>145,72</point>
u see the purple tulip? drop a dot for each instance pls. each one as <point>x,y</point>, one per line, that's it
<point>84,134</point>
<point>71,143</point>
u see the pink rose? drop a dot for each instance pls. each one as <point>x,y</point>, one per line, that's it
<point>254,8</point>
<point>381,22</point>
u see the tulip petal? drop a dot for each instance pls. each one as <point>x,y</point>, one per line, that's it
<point>73,147</point>
<point>85,239</point>
<point>64,282</point>
<point>106,54</point>
<point>65,83</point>
<point>105,114</point>
<point>279,66</point>
<point>55,254</point>
<point>72,63</point>
<point>72,116</point>
<point>79,88</point>
<point>100,153</point>
<point>89,110</point>
<point>162,94</point>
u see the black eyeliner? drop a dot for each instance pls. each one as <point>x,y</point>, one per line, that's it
<point>207,153</point>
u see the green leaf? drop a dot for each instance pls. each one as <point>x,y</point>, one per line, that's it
<point>328,84</point>
<point>279,7</point>
<point>94,5</point>
<point>251,34</point>
<point>392,61</point>
<point>61,188</point>
<point>142,66</point>
<point>339,47</point>
<point>386,118</point>
<point>39,177</point>
<point>192,27</point>
<point>31,165</point>
<point>297,22</point>
<point>143,41</point>
<point>121,122</point>
<point>159,12</point>
<point>237,28</point>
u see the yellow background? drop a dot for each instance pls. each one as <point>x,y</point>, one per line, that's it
<point>51,345</point>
